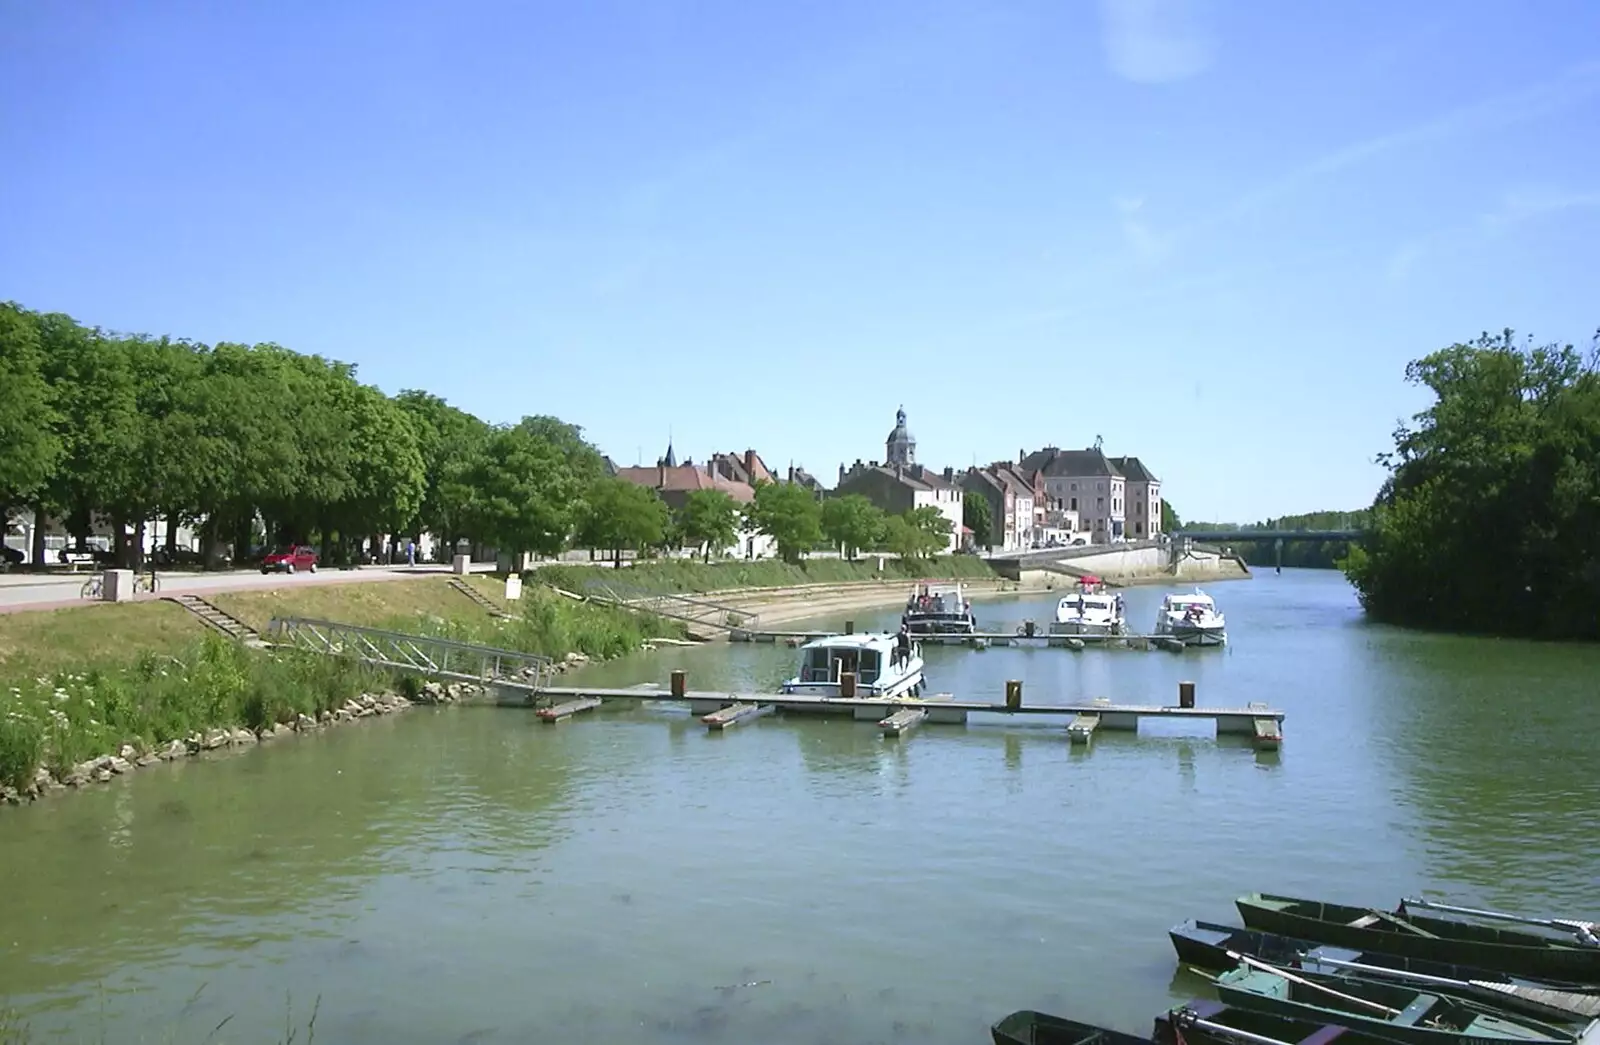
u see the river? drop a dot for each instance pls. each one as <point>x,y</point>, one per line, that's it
<point>471,875</point>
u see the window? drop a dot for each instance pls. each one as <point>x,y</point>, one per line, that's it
<point>1102,487</point>
<point>1074,504</point>
<point>1100,503</point>
<point>1074,486</point>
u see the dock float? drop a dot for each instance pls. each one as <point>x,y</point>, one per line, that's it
<point>986,639</point>
<point>735,714</point>
<point>1262,724</point>
<point>902,721</point>
<point>565,710</point>
<point>1268,730</point>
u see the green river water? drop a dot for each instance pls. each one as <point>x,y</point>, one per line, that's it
<point>471,875</point>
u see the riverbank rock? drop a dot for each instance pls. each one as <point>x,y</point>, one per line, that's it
<point>216,738</point>
<point>304,722</point>
<point>175,749</point>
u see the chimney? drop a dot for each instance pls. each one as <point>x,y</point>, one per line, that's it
<point>949,475</point>
<point>841,471</point>
<point>1021,455</point>
<point>750,464</point>
<point>661,474</point>
<point>791,473</point>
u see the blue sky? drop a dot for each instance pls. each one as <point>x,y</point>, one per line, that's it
<point>1210,233</point>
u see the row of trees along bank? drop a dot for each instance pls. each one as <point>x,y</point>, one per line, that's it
<point>1489,520</point>
<point>229,437</point>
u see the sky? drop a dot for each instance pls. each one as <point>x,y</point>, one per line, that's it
<point>1210,234</point>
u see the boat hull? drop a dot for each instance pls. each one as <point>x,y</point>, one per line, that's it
<point>1206,945</point>
<point>1278,1028</point>
<point>1503,950</point>
<point>1195,635</point>
<point>1040,1028</point>
<point>941,626</point>
<point>1448,1021</point>
<point>1081,627</point>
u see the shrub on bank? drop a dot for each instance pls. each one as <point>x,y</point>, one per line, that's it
<point>63,719</point>
<point>683,575</point>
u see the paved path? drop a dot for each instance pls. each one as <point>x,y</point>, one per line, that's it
<point>43,591</point>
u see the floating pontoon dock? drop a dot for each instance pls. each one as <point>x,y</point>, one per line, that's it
<point>1036,639</point>
<point>1263,725</point>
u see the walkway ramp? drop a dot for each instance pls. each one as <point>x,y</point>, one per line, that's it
<point>701,615</point>
<point>434,657</point>
<point>493,608</point>
<point>218,619</point>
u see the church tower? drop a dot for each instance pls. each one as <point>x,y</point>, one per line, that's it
<point>900,448</point>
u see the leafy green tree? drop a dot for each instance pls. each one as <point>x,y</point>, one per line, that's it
<point>1506,460</point>
<point>621,515</point>
<point>934,526</point>
<point>709,519</point>
<point>449,440</point>
<point>852,522</point>
<point>788,514</point>
<point>1170,521</point>
<point>28,420</point>
<point>524,495</point>
<point>978,516</point>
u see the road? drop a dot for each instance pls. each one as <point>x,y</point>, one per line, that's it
<point>45,591</point>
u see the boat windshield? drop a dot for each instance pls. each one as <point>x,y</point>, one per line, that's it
<point>827,663</point>
<point>935,599</point>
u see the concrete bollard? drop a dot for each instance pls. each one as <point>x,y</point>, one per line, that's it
<point>680,685</point>
<point>1014,695</point>
<point>849,627</point>
<point>459,564</point>
<point>1186,694</point>
<point>116,586</point>
<point>847,685</point>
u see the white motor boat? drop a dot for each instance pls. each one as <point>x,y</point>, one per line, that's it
<point>1192,619</point>
<point>881,672</point>
<point>1089,610</point>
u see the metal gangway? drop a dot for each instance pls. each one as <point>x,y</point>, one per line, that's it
<point>672,605</point>
<point>434,657</point>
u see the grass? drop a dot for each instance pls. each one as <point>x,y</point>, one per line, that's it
<point>166,682</point>
<point>682,575</point>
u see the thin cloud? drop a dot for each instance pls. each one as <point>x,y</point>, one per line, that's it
<point>1516,207</point>
<point>1155,41</point>
<point>1147,245</point>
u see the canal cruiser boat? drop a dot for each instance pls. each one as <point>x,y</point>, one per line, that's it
<point>876,661</point>
<point>1518,952</point>
<point>1089,610</point>
<point>1027,1027</point>
<point>939,609</point>
<point>1192,619</point>
<point>1213,947</point>
<point>1399,1013</point>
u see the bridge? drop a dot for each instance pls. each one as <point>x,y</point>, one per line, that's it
<point>1259,534</point>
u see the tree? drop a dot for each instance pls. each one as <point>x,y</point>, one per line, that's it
<point>852,522</point>
<point>1170,522</point>
<point>521,492</point>
<point>788,514</point>
<point>1506,459</point>
<point>934,525</point>
<point>978,516</point>
<point>918,534</point>
<point>449,440</point>
<point>708,519</point>
<point>618,514</point>
<point>28,418</point>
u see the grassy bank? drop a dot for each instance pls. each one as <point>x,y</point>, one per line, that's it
<point>80,683</point>
<point>682,575</point>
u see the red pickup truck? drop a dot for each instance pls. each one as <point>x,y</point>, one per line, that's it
<point>288,560</point>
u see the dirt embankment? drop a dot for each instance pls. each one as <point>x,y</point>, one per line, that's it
<point>777,606</point>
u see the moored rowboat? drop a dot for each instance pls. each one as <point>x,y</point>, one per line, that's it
<point>1027,1027</point>
<point>1206,1021</point>
<point>1410,935</point>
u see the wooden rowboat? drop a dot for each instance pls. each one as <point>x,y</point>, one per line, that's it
<point>1405,934</point>
<point>1398,1013</point>
<point>1206,1021</point>
<point>1027,1027</point>
<point>1208,945</point>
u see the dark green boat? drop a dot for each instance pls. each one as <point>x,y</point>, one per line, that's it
<point>1027,1027</point>
<point>1411,935</point>
<point>1382,1010</point>
<point>1206,1021</point>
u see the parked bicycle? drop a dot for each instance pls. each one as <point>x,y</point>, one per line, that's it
<point>146,582</point>
<point>93,588</point>
<point>143,583</point>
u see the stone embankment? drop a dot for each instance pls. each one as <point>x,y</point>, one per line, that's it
<point>106,768</point>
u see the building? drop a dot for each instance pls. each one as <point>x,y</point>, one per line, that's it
<point>900,489</point>
<point>1085,482</point>
<point>900,449</point>
<point>1143,498</point>
<point>1010,499</point>
<point>747,468</point>
<point>674,482</point>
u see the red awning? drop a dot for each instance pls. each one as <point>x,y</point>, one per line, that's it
<point>1090,578</point>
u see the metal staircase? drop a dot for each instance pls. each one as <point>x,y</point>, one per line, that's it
<point>433,657</point>
<point>697,613</point>
<point>218,619</point>
<point>480,598</point>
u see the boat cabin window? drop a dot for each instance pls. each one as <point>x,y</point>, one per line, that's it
<point>826,664</point>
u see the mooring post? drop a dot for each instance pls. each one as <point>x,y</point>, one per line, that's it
<point>680,685</point>
<point>849,627</point>
<point>1014,695</point>
<point>1186,694</point>
<point>847,685</point>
